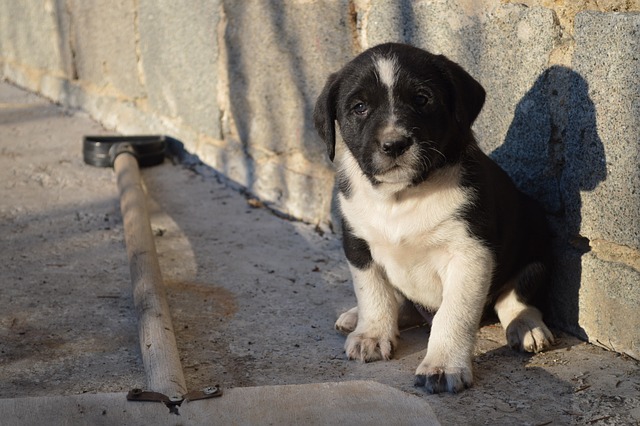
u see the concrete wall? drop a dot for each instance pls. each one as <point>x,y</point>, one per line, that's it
<point>236,82</point>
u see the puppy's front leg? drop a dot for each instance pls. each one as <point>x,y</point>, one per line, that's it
<point>376,331</point>
<point>447,365</point>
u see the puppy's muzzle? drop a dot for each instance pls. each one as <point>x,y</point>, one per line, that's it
<point>395,147</point>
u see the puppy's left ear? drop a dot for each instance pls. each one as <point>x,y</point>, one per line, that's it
<point>468,94</point>
<point>324,114</point>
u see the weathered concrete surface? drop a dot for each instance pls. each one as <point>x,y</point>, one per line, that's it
<point>40,54</point>
<point>103,39</point>
<point>66,319</point>
<point>178,54</point>
<point>253,297</point>
<point>346,403</point>
<point>607,55</point>
<point>236,83</point>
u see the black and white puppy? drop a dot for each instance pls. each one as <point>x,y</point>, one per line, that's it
<point>426,215</point>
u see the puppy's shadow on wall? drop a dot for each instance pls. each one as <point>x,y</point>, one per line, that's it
<point>553,152</point>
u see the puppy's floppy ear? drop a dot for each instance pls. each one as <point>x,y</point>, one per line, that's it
<point>324,114</point>
<point>468,94</point>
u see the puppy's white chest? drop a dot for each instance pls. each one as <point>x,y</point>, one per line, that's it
<point>414,217</point>
<point>412,235</point>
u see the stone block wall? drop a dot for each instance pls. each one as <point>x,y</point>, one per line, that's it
<point>236,82</point>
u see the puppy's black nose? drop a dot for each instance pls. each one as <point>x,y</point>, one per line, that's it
<point>396,148</point>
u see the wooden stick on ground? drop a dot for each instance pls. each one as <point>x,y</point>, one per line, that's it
<point>157,339</point>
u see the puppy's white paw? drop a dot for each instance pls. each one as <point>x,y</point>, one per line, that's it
<point>523,324</point>
<point>437,379</point>
<point>347,321</point>
<point>529,335</point>
<point>369,347</point>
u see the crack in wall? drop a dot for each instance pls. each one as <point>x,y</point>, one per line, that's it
<point>359,14</point>
<point>72,42</point>
<point>136,31</point>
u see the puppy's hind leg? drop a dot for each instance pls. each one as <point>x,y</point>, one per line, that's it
<point>525,330</point>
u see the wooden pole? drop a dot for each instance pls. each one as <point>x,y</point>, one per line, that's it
<point>157,339</point>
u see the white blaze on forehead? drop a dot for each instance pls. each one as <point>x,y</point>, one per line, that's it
<point>387,69</point>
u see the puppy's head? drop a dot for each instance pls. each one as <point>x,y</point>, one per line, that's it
<point>403,112</point>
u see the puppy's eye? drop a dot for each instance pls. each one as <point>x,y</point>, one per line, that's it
<point>360,108</point>
<point>421,100</point>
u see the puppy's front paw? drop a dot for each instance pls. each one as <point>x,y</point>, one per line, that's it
<point>437,379</point>
<point>347,321</point>
<point>529,335</point>
<point>368,347</point>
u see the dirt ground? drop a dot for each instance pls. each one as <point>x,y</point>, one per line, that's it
<point>253,296</point>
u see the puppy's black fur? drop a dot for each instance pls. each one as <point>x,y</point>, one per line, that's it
<point>513,225</point>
